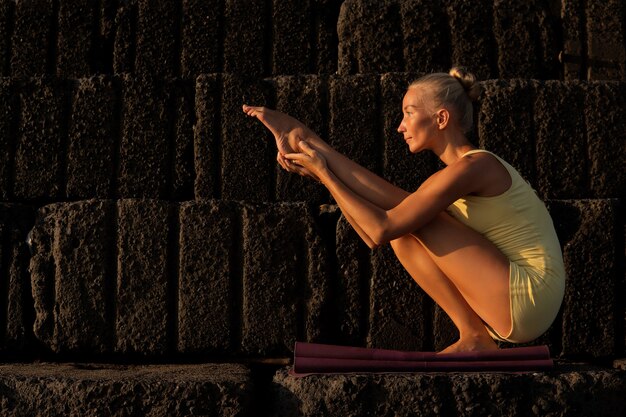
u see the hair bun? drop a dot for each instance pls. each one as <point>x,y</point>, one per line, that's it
<point>468,81</point>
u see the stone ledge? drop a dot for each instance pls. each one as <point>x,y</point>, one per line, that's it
<point>571,389</point>
<point>104,389</point>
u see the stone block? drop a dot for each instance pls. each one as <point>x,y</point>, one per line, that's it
<point>305,98</point>
<point>93,139</point>
<point>248,152</point>
<point>605,118</point>
<point>572,22</point>
<point>425,36</point>
<point>400,167</point>
<point>103,389</point>
<point>281,303</point>
<point>352,286</point>
<point>7,13</point>
<point>526,39</point>
<point>326,14</point>
<point>8,108</point>
<point>245,32</point>
<point>39,158</point>
<point>354,124</point>
<point>400,311</point>
<point>181,153</point>
<point>291,37</point>
<point>30,40</point>
<point>472,43</point>
<point>74,281</point>
<point>142,306</point>
<point>569,390</point>
<point>201,51</point>
<point>370,39</point>
<point>144,170</point>
<point>16,321</point>
<point>207,136</point>
<point>505,124</point>
<point>587,230</point>
<point>605,40</point>
<point>209,236</point>
<point>157,38</point>
<point>75,40</point>
<point>125,39</point>
<point>561,157</point>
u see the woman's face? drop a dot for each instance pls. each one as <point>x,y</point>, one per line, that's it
<point>418,125</point>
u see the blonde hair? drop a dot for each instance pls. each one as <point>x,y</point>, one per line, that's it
<point>454,91</point>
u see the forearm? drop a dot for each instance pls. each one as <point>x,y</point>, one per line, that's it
<point>367,218</point>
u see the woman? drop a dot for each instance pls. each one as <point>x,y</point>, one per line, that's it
<point>474,235</point>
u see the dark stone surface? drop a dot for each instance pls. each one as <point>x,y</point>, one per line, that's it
<point>83,243</point>
<point>354,124</point>
<point>16,313</point>
<point>444,331</point>
<point>158,38</point>
<point>30,41</point>
<point>569,390</point>
<point>370,39</point>
<point>8,106</point>
<point>587,230</point>
<point>75,42</point>
<point>400,167</point>
<point>208,237</point>
<point>561,157</point>
<point>7,12</point>
<point>305,98</point>
<point>248,151</point>
<point>400,312</point>
<point>325,27</point>
<point>505,124</point>
<point>181,152</point>
<point>280,304</point>
<point>142,310</point>
<point>39,158</point>
<point>526,39</point>
<point>291,37</point>
<point>124,42</point>
<point>245,37</point>
<point>352,286</point>
<point>605,40</point>
<point>207,136</point>
<point>144,170</point>
<point>100,389</point>
<point>572,15</point>
<point>605,111</point>
<point>471,36</point>
<point>425,36</point>
<point>93,138</point>
<point>201,51</point>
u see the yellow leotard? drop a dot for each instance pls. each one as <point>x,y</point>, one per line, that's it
<point>519,224</point>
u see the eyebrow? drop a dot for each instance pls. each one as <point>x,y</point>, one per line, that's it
<point>409,105</point>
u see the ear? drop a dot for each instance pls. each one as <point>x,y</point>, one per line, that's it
<point>442,117</point>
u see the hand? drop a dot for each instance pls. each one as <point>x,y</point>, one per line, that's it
<point>309,159</point>
<point>293,168</point>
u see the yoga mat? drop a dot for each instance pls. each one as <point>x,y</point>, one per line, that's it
<point>316,358</point>
<point>318,350</point>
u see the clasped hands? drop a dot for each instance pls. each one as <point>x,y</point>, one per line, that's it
<point>308,162</point>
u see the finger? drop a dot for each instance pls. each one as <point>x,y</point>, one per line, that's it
<point>281,160</point>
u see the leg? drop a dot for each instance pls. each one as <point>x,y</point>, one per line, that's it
<point>287,130</point>
<point>464,273</point>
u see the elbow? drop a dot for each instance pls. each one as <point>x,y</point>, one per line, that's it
<point>380,237</point>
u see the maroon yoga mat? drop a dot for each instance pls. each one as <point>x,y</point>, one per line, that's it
<point>315,358</point>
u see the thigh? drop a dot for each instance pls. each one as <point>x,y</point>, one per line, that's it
<point>474,264</point>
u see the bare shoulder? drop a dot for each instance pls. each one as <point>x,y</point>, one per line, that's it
<point>490,177</point>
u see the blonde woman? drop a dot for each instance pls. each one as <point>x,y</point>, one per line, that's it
<point>474,235</point>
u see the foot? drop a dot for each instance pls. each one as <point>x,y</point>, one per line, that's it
<point>286,130</point>
<point>471,344</point>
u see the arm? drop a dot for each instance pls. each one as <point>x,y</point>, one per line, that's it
<point>417,209</point>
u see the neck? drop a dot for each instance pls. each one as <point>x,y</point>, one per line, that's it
<point>452,146</point>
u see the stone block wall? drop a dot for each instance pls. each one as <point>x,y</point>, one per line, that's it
<point>143,217</point>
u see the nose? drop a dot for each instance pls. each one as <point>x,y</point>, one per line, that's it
<point>401,128</point>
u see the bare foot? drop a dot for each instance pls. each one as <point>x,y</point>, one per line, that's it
<point>286,130</point>
<point>471,344</point>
